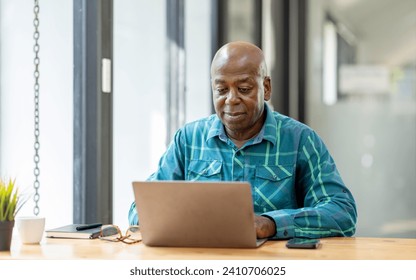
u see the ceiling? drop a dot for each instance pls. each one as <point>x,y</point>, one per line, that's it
<point>385,29</point>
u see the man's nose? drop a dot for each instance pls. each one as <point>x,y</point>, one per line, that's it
<point>233,96</point>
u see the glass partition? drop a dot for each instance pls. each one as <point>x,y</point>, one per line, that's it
<point>368,120</point>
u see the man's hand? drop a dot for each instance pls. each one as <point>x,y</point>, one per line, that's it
<point>265,227</point>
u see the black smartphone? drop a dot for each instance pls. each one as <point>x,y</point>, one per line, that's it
<point>303,243</point>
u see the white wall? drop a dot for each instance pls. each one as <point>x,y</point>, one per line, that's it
<point>198,58</point>
<point>56,106</point>
<point>139,96</point>
<point>140,88</point>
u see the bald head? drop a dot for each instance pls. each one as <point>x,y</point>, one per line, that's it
<point>240,55</point>
<point>240,87</point>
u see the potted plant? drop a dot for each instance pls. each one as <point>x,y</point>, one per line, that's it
<point>10,204</point>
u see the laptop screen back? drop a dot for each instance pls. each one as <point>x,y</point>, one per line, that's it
<point>195,214</point>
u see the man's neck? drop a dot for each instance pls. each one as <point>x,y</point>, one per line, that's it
<point>240,138</point>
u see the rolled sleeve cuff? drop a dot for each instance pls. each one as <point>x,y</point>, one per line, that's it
<point>285,226</point>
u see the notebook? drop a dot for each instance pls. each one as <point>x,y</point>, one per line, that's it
<point>196,214</point>
<point>70,231</point>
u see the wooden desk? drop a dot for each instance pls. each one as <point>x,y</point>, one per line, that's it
<point>355,248</point>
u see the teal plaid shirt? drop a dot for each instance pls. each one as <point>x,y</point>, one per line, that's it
<point>293,177</point>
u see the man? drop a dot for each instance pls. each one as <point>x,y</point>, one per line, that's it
<point>297,190</point>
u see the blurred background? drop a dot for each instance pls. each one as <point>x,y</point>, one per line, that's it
<point>117,78</point>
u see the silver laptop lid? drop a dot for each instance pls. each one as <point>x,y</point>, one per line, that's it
<point>195,214</point>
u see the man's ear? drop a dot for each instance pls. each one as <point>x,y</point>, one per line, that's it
<point>267,85</point>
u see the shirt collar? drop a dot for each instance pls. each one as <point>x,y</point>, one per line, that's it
<point>267,132</point>
<point>217,129</point>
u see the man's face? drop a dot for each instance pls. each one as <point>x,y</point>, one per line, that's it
<point>238,95</point>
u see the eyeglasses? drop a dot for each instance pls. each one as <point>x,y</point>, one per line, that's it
<point>113,233</point>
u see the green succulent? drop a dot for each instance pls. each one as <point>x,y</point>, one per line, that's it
<point>9,200</point>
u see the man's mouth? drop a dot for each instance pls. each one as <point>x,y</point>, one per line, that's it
<point>234,115</point>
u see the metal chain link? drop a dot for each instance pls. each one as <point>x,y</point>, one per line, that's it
<point>36,61</point>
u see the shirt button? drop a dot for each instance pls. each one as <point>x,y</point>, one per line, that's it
<point>285,233</point>
<point>274,176</point>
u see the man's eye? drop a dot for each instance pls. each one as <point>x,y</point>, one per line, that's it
<point>244,90</point>
<point>222,90</point>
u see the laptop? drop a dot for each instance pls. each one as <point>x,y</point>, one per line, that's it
<point>196,214</point>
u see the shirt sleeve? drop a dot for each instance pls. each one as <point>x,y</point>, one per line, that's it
<point>327,207</point>
<point>171,167</point>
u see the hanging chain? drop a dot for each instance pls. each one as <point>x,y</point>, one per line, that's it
<point>36,61</point>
